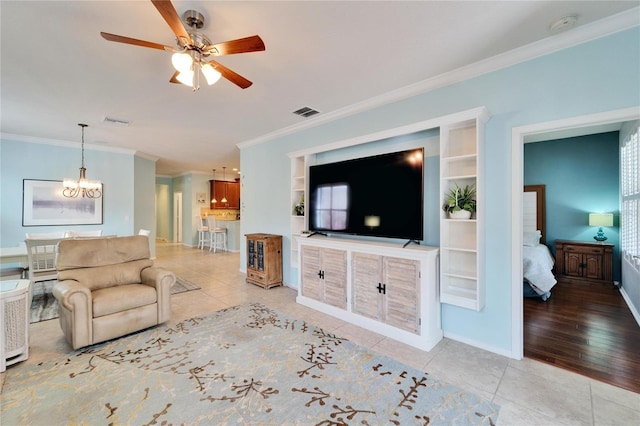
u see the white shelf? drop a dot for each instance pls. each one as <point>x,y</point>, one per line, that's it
<point>299,165</point>
<point>461,255</point>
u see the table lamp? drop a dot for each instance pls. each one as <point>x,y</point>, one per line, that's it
<point>600,220</point>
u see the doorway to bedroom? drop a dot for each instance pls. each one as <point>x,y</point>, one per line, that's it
<point>583,327</point>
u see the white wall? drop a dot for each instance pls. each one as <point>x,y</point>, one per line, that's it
<point>630,281</point>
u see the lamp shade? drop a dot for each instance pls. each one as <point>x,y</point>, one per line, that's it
<point>211,74</point>
<point>186,78</point>
<point>181,61</point>
<point>600,219</point>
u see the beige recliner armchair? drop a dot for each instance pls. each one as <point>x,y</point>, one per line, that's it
<point>108,287</point>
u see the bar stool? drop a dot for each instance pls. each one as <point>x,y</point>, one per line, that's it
<point>217,234</point>
<point>204,237</point>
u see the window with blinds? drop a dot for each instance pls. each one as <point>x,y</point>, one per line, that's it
<point>630,186</point>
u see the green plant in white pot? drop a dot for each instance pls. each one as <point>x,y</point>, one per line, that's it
<point>460,201</point>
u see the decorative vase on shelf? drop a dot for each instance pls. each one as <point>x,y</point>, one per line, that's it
<point>299,209</point>
<point>460,214</point>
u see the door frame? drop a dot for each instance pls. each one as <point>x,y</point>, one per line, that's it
<point>518,135</point>
<point>177,217</point>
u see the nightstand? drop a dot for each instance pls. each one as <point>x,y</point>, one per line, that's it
<point>585,261</point>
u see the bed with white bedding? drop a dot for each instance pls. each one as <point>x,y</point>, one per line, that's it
<point>537,267</point>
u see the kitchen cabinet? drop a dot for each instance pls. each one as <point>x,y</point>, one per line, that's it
<point>222,189</point>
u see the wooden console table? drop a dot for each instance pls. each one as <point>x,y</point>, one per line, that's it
<point>264,260</point>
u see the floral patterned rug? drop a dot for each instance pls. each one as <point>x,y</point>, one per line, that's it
<point>249,365</point>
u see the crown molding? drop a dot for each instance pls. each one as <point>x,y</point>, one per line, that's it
<point>579,35</point>
<point>146,156</point>
<point>66,144</point>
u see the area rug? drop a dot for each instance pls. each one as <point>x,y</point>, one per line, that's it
<point>249,365</point>
<point>45,307</point>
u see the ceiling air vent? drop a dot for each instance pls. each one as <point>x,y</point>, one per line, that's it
<point>306,112</point>
<point>117,121</point>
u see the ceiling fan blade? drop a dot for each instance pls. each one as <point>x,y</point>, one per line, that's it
<point>174,78</point>
<point>232,76</point>
<point>135,42</point>
<point>170,15</point>
<point>241,45</point>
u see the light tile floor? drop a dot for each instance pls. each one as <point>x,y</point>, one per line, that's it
<point>529,392</point>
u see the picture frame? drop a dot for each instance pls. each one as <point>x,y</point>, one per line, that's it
<point>44,205</point>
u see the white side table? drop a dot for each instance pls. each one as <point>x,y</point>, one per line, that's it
<point>14,317</point>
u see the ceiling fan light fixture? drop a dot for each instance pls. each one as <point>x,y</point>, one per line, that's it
<point>185,77</point>
<point>181,61</point>
<point>210,73</point>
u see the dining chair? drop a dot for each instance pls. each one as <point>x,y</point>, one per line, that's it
<point>45,235</point>
<point>41,255</point>
<point>81,234</point>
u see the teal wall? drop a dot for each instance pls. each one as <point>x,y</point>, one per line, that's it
<point>597,76</point>
<point>117,170</point>
<point>144,178</point>
<point>581,176</point>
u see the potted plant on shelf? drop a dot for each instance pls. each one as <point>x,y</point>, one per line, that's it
<point>460,202</point>
<point>299,207</point>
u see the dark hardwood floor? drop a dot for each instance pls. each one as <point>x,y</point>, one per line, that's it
<point>586,328</point>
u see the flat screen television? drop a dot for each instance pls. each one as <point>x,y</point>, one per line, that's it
<point>379,196</point>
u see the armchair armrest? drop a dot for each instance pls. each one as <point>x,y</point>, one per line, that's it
<point>75,299</point>
<point>162,280</point>
<point>72,295</point>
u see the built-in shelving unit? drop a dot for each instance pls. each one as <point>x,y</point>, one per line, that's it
<point>299,166</point>
<point>461,241</point>
<point>461,253</point>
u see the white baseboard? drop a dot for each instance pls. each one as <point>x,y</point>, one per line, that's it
<point>632,308</point>
<point>479,345</point>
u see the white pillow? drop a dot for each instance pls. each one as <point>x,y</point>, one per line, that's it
<point>531,238</point>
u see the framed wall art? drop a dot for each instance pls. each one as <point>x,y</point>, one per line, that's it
<point>44,205</point>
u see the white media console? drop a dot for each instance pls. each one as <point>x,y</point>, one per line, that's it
<point>386,288</point>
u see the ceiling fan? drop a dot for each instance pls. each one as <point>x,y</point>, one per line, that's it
<point>194,48</point>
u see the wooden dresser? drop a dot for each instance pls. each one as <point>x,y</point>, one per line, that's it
<point>585,261</point>
<point>264,260</point>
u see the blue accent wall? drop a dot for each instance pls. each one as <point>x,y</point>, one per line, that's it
<point>581,176</point>
<point>593,77</point>
<point>122,173</point>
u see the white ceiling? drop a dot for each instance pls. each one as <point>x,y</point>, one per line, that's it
<point>56,70</point>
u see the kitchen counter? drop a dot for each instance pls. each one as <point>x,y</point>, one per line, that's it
<point>233,233</point>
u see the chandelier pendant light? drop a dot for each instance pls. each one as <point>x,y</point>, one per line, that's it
<point>224,179</point>
<point>87,188</point>
<point>213,199</point>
